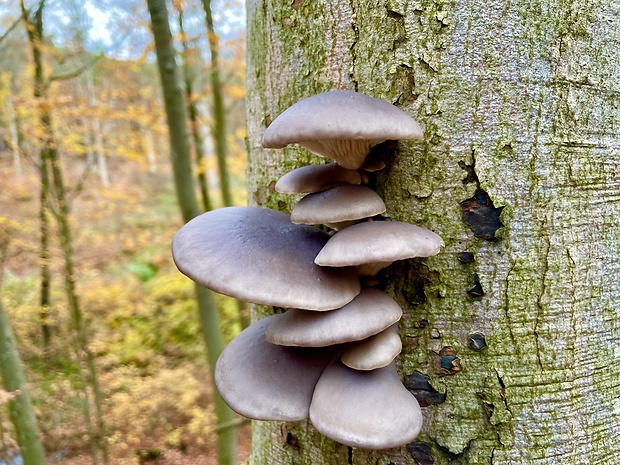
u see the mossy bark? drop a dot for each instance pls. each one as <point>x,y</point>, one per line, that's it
<point>520,100</point>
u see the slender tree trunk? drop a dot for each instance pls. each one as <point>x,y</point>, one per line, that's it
<point>150,149</point>
<point>20,408</point>
<point>219,112</point>
<point>181,164</point>
<point>44,254</point>
<point>50,155</point>
<point>15,148</point>
<point>95,127</point>
<point>520,101</point>
<point>194,116</point>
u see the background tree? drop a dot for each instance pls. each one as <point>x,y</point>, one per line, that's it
<point>517,173</point>
<point>182,169</point>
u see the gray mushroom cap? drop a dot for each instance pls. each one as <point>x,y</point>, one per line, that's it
<point>374,352</point>
<point>378,242</point>
<point>342,203</point>
<point>369,313</point>
<point>341,125</point>
<point>365,409</point>
<point>316,178</point>
<point>258,255</point>
<point>263,381</point>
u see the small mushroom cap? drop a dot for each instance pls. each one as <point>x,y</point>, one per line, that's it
<point>342,203</point>
<point>365,409</point>
<point>316,178</point>
<point>381,242</point>
<point>374,352</point>
<point>258,255</point>
<point>341,125</point>
<point>369,313</point>
<point>263,381</point>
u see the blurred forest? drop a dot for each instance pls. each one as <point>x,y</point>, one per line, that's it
<point>133,318</point>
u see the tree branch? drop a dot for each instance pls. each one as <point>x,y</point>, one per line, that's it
<point>8,31</point>
<point>76,72</point>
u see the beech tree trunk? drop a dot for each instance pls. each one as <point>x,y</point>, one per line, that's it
<point>517,172</point>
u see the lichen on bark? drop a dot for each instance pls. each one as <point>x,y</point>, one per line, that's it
<point>526,94</point>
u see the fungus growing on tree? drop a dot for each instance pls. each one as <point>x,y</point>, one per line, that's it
<point>365,409</point>
<point>374,352</point>
<point>264,381</point>
<point>337,205</point>
<point>316,178</point>
<point>258,255</point>
<point>369,313</point>
<point>341,125</point>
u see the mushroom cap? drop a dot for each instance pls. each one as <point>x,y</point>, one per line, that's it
<point>258,255</point>
<point>263,381</point>
<point>342,203</point>
<point>369,313</point>
<point>315,178</point>
<point>378,242</point>
<point>365,409</point>
<point>362,121</point>
<point>374,352</point>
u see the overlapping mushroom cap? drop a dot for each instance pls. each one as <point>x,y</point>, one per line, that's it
<point>369,313</point>
<point>366,409</point>
<point>316,178</point>
<point>341,125</point>
<point>376,244</point>
<point>264,381</point>
<point>259,256</point>
<point>374,352</point>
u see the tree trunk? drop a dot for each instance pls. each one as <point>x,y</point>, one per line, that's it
<point>20,407</point>
<point>521,101</point>
<point>184,183</point>
<point>219,113</point>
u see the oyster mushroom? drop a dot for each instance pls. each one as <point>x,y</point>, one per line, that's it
<point>341,125</point>
<point>369,313</point>
<point>376,244</point>
<point>337,205</point>
<point>365,409</point>
<point>374,352</point>
<point>264,381</point>
<point>259,256</point>
<point>316,178</point>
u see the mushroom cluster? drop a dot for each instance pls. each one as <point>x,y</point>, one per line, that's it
<point>330,356</point>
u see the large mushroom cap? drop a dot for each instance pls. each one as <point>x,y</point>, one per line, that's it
<point>342,203</point>
<point>365,409</point>
<point>369,313</point>
<point>259,256</point>
<point>381,242</point>
<point>315,178</point>
<point>341,125</point>
<point>263,381</point>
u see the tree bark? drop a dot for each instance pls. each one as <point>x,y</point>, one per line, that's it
<point>184,183</point>
<point>20,407</point>
<point>520,103</point>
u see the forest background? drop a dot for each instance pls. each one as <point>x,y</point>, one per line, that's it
<point>140,319</point>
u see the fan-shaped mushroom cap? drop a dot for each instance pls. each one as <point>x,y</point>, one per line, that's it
<point>374,352</point>
<point>263,381</point>
<point>378,242</point>
<point>341,125</point>
<point>259,256</point>
<point>365,409</point>
<point>369,313</point>
<point>316,178</point>
<point>342,203</point>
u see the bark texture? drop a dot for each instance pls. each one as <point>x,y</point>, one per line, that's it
<point>520,100</point>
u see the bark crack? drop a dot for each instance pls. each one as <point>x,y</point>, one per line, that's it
<point>507,308</point>
<point>356,34</point>
<point>539,304</point>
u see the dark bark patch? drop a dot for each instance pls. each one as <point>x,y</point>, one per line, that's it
<point>466,257</point>
<point>421,453</point>
<point>471,176</point>
<point>477,341</point>
<point>448,362</point>
<point>477,290</point>
<point>289,439</point>
<point>297,4</point>
<point>419,385</point>
<point>418,278</point>
<point>481,215</point>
